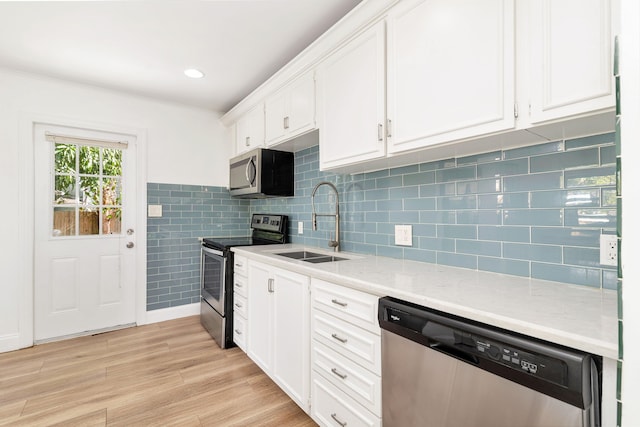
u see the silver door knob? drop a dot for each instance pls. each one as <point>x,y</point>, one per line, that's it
<point>129,231</point>
<point>130,245</point>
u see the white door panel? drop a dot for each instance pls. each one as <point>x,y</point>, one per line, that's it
<point>84,271</point>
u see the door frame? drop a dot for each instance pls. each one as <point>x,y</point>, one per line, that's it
<point>26,184</point>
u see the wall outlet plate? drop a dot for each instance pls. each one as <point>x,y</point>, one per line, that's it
<point>154,211</point>
<point>609,249</point>
<point>404,235</point>
<point>300,227</point>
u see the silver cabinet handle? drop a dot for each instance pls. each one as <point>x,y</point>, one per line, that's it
<point>130,245</point>
<point>270,285</point>
<point>238,285</point>
<point>340,303</point>
<point>238,265</point>
<point>247,141</point>
<point>338,374</point>
<point>388,128</point>
<point>286,122</point>
<point>238,305</point>
<point>129,231</point>
<point>379,132</point>
<point>239,332</point>
<point>336,419</point>
<point>336,337</point>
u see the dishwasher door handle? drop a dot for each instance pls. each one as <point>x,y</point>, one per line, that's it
<point>454,352</point>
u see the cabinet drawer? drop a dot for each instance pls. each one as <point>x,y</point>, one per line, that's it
<point>240,331</point>
<point>362,385</point>
<point>239,304</point>
<point>353,306</point>
<point>239,265</point>
<point>239,284</point>
<point>332,407</point>
<point>363,347</point>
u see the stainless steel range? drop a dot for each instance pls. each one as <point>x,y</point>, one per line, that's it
<point>216,273</point>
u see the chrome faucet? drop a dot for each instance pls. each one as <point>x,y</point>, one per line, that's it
<point>335,244</point>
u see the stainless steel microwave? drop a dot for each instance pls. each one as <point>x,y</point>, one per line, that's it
<point>261,173</point>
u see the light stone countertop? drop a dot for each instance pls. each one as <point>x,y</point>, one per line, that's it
<point>575,316</point>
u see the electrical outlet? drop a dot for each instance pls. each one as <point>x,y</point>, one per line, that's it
<point>608,249</point>
<point>300,227</point>
<point>404,235</point>
<point>154,211</point>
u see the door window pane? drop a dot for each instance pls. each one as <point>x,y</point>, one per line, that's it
<point>111,191</point>
<point>89,160</point>
<point>111,223</point>
<point>64,221</point>
<point>65,190</point>
<point>87,190</point>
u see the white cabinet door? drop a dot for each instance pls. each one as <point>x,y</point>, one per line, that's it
<point>291,111</point>
<point>250,130</point>
<point>278,328</point>
<point>260,321</point>
<point>571,71</point>
<point>450,71</point>
<point>351,104</point>
<point>291,334</point>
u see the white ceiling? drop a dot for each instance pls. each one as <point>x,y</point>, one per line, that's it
<point>142,47</point>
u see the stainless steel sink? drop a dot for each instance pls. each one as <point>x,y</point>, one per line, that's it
<point>301,254</point>
<point>312,257</point>
<point>322,259</point>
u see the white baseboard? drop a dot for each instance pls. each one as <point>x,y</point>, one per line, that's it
<point>170,313</point>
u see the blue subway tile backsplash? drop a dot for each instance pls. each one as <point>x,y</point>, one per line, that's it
<point>535,211</point>
<point>173,248</point>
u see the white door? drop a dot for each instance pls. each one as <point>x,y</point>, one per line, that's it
<point>291,334</point>
<point>84,211</point>
<point>259,317</point>
<point>571,44</point>
<point>450,71</point>
<point>351,101</point>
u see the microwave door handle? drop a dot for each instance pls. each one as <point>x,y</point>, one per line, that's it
<point>246,171</point>
<point>251,176</point>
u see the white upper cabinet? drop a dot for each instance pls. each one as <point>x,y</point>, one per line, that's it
<point>250,129</point>
<point>291,111</point>
<point>351,104</point>
<point>570,45</point>
<point>450,67</point>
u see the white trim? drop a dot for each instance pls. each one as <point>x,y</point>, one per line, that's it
<point>171,313</point>
<point>25,245</point>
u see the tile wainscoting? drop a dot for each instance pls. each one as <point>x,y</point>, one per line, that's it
<point>173,248</point>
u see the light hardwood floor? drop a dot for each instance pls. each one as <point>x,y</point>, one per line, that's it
<point>164,374</point>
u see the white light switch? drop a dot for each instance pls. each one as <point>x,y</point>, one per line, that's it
<point>404,235</point>
<point>154,211</point>
<point>300,227</point>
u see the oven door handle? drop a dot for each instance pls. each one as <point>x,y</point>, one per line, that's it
<point>212,251</point>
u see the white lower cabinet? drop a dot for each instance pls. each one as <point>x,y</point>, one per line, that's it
<point>240,302</point>
<point>278,327</point>
<point>345,357</point>
<point>332,407</point>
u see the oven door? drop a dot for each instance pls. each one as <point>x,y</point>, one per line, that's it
<point>212,278</point>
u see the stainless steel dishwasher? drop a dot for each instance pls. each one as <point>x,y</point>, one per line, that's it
<point>440,370</point>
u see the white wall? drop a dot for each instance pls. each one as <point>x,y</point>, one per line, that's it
<point>185,145</point>
<point>630,132</point>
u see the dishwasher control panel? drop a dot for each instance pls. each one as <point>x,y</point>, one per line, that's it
<point>546,367</point>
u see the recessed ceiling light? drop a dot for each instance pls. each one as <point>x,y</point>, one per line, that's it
<point>193,73</point>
